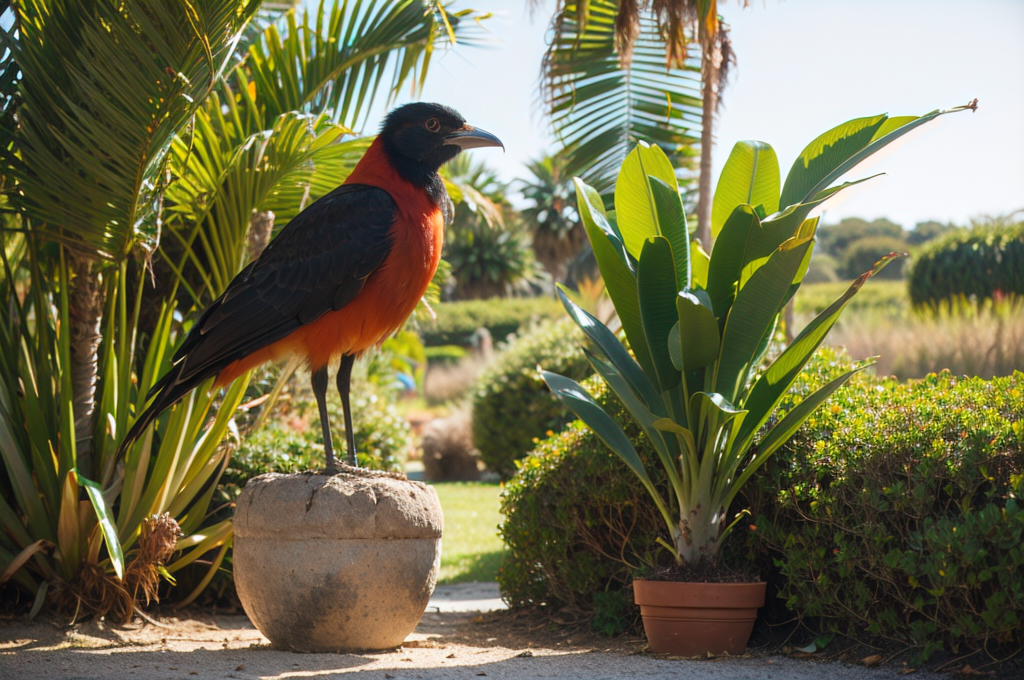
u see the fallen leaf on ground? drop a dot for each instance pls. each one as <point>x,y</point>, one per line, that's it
<point>872,660</point>
<point>967,670</point>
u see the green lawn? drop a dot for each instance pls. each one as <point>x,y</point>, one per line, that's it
<point>471,549</point>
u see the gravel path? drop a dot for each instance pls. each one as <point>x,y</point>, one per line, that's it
<point>451,642</point>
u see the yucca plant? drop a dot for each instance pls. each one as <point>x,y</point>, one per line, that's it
<point>696,381</point>
<point>52,540</point>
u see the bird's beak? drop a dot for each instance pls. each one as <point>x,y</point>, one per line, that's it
<point>469,137</point>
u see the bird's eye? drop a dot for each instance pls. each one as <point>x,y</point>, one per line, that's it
<point>433,124</point>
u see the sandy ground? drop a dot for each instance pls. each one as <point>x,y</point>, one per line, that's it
<point>448,643</point>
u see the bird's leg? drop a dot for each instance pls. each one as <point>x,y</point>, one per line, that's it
<point>344,380</point>
<point>320,391</point>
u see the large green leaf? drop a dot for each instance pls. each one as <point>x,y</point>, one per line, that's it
<point>699,263</point>
<point>771,387</point>
<point>635,206</point>
<point>728,258</point>
<point>619,278</point>
<point>836,152</point>
<point>586,409</point>
<point>750,177</point>
<point>657,289</point>
<point>697,332</point>
<point>600,105</point>
<point>609,345</point>
<point>106,522</point>
<point>752,316</point>
<point>672,222</point>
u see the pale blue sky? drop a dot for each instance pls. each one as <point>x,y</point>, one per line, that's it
<point>804,66</point>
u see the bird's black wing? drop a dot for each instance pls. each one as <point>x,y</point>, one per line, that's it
<point>318,263</point>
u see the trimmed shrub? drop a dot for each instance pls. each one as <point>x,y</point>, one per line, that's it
<point>861,256</point>
<point>456,321</point>
<point>895,513</point>
<point>577,521</point>
<point>834,239</point>
<point>448,451</point>
<point>512,407</point>
<point>979,264</point>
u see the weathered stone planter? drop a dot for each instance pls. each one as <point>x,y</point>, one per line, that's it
<point>343,562</point>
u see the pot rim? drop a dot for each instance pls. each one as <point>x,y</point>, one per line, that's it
<point>737,584</point>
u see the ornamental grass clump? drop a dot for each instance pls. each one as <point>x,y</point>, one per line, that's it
<point>699,326</point>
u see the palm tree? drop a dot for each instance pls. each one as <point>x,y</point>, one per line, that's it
<point>99,155</point>
<point>557,231</point>
<point>486,244</point>
<point>103,89</point>
<point>634,79</point>
<point>601,99</point>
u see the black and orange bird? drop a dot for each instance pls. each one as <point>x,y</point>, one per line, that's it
<point>340,278</point>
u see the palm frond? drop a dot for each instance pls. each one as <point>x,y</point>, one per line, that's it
<point>225,176</point>
<point>105,86</point>
<point>338,59</point>
<point>600,106</point>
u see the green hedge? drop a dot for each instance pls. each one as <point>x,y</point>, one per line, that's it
<point>456,321</point>
<point>974,263</point>
<point>512,407</point>
<point>895,513</point>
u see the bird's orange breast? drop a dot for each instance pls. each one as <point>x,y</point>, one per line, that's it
<point>391,292</point>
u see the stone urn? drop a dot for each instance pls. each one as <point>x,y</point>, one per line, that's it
<point>336,562</point>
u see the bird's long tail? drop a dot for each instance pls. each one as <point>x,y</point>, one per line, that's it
<point>167,392</point>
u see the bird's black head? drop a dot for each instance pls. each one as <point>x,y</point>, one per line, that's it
<point>419,138</point>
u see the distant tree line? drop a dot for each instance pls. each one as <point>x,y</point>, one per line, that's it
<point>853,245</point>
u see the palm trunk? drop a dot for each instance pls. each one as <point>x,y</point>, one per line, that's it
<point>261,226</point>
<point>711,62</point>
<point>85,313</point>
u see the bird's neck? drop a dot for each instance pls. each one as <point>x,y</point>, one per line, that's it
<point>376,168</point>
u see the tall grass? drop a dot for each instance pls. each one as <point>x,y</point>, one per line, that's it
<point>966,339</point>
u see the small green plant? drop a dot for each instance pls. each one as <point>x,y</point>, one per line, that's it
<point>699,328</point>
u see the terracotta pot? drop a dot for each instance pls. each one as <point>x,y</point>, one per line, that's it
<point>690,619</point>
<point>328,563</point>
